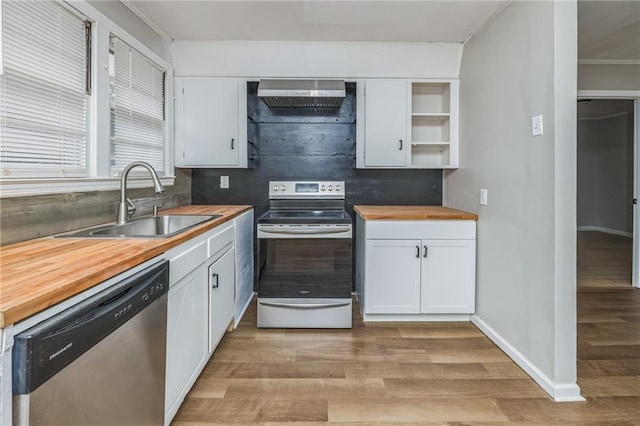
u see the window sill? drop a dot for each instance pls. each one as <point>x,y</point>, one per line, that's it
<point>29,187</point>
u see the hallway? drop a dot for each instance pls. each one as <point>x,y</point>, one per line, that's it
<point>604,260</point>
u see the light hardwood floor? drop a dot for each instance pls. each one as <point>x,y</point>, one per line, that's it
<point>416,373</point>
<point>604,260</point>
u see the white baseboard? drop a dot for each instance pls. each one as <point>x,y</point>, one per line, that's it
<point>236,321</point>
<point>560,392</point>
<point>606,230</point>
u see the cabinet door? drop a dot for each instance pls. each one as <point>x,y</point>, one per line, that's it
<point>448,276</point>
<point>385,133</point>
<point>186,335</point>
<point>221,297</point>
<point>392,277</point>
<point>208,125</point>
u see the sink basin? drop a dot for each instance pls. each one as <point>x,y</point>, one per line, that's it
<point>163,226</point>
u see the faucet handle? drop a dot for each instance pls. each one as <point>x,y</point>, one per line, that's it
<point>131,208</point>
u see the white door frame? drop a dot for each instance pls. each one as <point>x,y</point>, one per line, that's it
<point>635,96</point>
<point>635,281</point>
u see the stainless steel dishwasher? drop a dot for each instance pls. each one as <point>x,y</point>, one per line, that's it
<point>100,362</point>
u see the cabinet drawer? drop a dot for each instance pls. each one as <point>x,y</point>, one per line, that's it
<point>220,240</point>
<point>187,261</point>
<point>421,229</point>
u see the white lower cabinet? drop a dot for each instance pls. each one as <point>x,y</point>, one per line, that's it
<point>413,279</point>
<point>199,310</point>
<point>221,291</point>
<point>448,276</point>
<point>393,272</point>
<point>186,336</point>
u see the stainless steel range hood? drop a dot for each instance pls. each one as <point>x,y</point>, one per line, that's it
<point>302,93</point>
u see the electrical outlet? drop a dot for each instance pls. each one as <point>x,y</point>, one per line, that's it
<point>224,182</point>
<point>483,197</point>
<point>536,125</point>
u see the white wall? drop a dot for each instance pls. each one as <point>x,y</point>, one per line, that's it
<point>316,59</point>
<point>608,77</point>
<point>587,210</point>
<point>522,64</point>
<point>130,22</point>
<point>605,173</point>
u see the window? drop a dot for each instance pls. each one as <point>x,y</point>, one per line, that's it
<point>137,108</point>
<point>64,128</point>
<point>43,94</point>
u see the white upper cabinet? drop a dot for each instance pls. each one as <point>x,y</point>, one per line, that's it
<point>385,129</point>
<point>211,125</point>
<point>408,124</point>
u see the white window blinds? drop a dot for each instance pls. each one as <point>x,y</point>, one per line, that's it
<point>137,108</point>
<point>43,100</point>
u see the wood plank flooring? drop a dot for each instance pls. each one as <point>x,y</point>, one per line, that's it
<point>604,260</point>
<point>418,373</point>
<point>426,373</point>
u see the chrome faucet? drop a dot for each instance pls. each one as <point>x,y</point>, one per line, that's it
<point>126,207</point>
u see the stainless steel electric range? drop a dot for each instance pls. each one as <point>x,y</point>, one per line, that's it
<point>305,248</point>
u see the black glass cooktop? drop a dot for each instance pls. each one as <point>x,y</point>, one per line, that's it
<point>305,216</point>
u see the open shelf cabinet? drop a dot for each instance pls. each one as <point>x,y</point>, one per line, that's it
<point>432,116</point>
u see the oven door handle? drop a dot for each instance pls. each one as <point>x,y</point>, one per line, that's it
<point>305,231</point>
<point>304,305</point>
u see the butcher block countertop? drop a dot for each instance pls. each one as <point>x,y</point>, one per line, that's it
<point>39,273</point>
<point>412,213</point>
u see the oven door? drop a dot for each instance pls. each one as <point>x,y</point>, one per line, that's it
<point>305,262</point>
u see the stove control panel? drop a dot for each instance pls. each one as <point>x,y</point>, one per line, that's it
<point>306,189</point>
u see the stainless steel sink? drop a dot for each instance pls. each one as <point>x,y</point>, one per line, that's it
<point>163,226</point>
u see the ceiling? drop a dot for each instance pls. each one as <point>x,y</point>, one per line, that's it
<point>607,29</point>
<point>602,108</point>
<point>344,20</point>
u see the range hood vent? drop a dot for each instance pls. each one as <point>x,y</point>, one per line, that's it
<point>302,93</point>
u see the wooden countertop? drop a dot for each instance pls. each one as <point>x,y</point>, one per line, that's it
<point>412,213</point>
<point>39,273</point>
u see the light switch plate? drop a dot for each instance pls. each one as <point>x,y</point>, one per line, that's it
<point>224,182</point>
<point>483,197</point>
<point>536,125</point>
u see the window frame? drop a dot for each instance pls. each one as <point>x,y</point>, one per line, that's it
<point>99,119</point>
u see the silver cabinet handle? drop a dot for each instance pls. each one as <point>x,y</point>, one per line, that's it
<point>232,140</point>
<point>425,251</point>
<point>400,149</point>
<point>418,251</point>
<point>217,282</point>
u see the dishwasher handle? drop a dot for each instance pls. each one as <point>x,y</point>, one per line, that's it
<point>45,349</point>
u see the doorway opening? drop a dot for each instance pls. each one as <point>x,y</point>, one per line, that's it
<point>606,163</point>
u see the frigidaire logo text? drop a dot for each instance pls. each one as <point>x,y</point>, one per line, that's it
<point>60,351</point>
